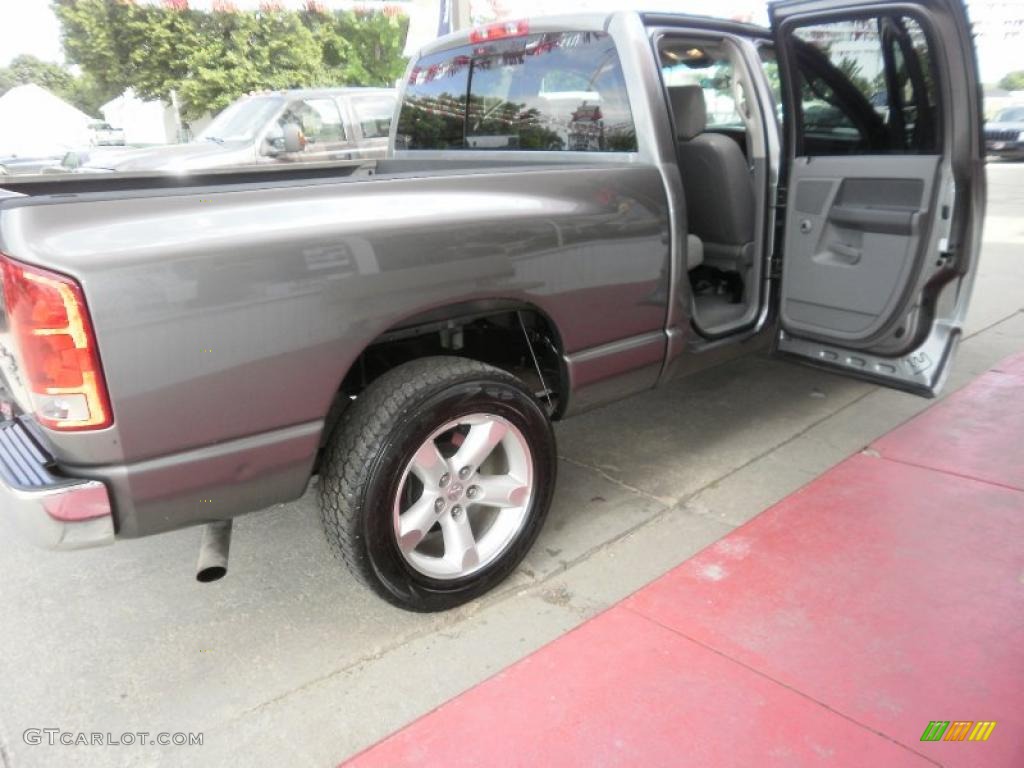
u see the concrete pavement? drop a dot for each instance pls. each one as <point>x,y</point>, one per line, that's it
<point>287,661</point>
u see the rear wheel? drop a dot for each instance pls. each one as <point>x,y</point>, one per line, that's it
<point>437,481</point>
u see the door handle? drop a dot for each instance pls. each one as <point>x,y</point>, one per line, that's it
<point>891,221</point>
<point>848,254</point>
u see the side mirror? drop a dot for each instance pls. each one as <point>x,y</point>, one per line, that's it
<point>294,140</point>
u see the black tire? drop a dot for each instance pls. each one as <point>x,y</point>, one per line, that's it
<point>375,440</point>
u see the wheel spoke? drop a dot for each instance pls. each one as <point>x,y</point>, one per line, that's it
<point>435,534</point>
<point>479,444</point>
<point>459,542</point>
<point>416,521</point>
<point>500,491</point>
<point>429,465</point>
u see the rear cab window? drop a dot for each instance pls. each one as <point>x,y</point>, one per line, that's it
<point>561,91</point>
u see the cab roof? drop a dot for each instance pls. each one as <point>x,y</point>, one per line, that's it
<point>599,22</point>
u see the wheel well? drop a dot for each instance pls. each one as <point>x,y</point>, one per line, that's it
<point>522,341</point>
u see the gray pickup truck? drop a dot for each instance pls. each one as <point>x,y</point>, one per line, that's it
<point>573,209</point>
<point>300,125</point>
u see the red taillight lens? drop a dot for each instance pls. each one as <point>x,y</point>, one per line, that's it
<point>50,325</point>
<point>499,31</point>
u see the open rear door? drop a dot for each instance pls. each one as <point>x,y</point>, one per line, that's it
<point>884,187</point>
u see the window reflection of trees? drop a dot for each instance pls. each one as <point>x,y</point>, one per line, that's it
<point>498,115</point>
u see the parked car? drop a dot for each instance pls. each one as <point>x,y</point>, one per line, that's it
<point>179,349</point>
<point>104,135</point>
<point>306,125</point>
<point>1004,136</point>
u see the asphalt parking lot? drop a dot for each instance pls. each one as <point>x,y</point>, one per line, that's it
<point>288,661</point>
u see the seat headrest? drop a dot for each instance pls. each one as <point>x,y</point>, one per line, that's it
<point>688,109</point>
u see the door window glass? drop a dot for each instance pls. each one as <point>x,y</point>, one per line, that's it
<point>713,72</point>
<point>867,86</point>
<point>319,120</point>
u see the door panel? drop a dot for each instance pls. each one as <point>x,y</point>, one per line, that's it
<point>855,244</point>
<point>885,184</point>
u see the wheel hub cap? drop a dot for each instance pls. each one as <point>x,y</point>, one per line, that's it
<point>443,529</point>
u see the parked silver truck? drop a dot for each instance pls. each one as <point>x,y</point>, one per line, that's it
<point>302,125</point>
<point>558,225</point>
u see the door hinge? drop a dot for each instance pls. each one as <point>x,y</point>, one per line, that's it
<point>780,197</point>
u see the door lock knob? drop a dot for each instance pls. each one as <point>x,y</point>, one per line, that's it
<point>806,226</point>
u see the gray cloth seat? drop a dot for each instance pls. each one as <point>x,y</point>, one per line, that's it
<point>716,181</point>
<point>694,251</point>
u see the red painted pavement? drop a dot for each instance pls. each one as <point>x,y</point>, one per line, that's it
<point>829,630</point>
<point>977,432</point>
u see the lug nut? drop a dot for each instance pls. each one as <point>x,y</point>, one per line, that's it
<point>473,491</point>
<point>439,506</point>
<point>464,472</point>
<point>444,479</point>
<point>456,512</point>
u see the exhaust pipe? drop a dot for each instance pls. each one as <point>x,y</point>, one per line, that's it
<point>213,551</point>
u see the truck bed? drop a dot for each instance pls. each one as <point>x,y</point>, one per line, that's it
<point>229,306</point>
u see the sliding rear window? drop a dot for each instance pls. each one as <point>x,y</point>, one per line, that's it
<point>557,91</point>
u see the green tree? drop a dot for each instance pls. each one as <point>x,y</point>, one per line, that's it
<point>1013,81</point>
<point>28,69</point>
<point>93,36</point>
<point>853,72</point>
<point>81,91</point>
<point>210,59</point>
<point>376,41</point>
<point>89,95</point>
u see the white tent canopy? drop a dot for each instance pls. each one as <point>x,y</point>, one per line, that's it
<point>143,122</point>
<point>35,123</point>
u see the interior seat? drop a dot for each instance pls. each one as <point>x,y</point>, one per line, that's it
<point>717,183</point>
<point>694,251</point>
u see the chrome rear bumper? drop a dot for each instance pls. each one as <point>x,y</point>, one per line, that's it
<point>52,512</point>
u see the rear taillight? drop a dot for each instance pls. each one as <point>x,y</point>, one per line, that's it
<point>499,31</point>
<point>50,326</point>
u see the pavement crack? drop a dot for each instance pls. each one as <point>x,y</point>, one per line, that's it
<point>663,500</point>
<point>772,449</point>
<point>992,325</point>
<point>951,473</point>
<point>435,627</point>
<point>5,754</point>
